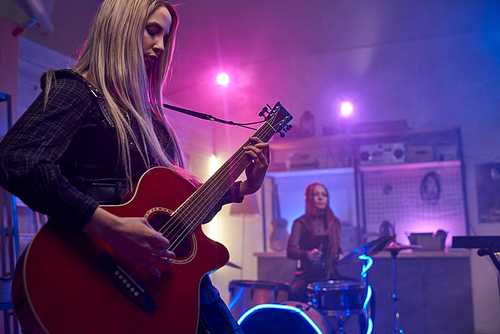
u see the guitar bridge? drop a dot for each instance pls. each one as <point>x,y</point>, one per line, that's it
<point>126,283</point>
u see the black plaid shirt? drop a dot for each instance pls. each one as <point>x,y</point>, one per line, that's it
<point>31,151</point>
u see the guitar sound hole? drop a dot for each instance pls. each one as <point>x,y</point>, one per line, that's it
<point>180,243</point>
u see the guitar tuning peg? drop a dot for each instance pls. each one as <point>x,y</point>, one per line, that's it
<point>263,112</point>
<point>287,128</point>
<point>282,135</point>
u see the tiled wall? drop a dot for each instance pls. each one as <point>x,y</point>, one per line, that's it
<point>423,198</point>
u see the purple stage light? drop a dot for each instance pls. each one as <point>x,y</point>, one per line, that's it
<point>346,109</point>
<point>223,79</point>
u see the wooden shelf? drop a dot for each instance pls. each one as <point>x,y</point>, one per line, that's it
<point>434,146</point>
<point>300,142</point>
<point>319,171</point>
<point>413,165</point>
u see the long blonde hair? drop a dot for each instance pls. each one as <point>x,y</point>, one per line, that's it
<point>113,61</point>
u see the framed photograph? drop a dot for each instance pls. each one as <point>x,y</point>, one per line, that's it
<point>488,192</point>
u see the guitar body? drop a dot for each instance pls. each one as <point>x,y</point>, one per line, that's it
<point>69,290</point>
<point>279,235</point>
<point>70,282</point>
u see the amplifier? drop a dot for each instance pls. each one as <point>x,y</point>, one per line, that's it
<point>382,154</point>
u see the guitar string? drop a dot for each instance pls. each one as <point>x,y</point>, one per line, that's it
<point>223,175</point>
<point>198,214</point>
<point>185,226</point>
<point>203,193</point>
<point>234,161</point>
<point>194,198</point>
<point>193,216</point>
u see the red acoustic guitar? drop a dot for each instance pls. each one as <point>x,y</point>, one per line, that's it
<point>77,284</point>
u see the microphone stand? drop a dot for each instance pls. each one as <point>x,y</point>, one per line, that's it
<point>204,116</point>
<point>491,253</point>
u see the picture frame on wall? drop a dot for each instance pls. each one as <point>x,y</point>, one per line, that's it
<point>488,192</point>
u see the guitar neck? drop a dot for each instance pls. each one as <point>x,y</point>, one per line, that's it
<point>208,195</point>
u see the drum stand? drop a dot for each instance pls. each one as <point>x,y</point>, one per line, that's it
<point>341,320</point>
<point>397,330</point>
<point>361,253</point>
<point>395,248</point>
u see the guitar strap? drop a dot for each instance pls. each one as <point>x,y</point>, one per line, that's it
<point>102,104</point>
<point>109,191</point>
<point>104,191</point>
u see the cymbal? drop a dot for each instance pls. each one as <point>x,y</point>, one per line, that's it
<point>230,264</point>
<point>370,248</point>
<point>395,247</point>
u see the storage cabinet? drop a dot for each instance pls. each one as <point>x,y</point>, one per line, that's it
<point>413,180</point>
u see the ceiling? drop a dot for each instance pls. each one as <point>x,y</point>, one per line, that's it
<point>312,55</point>
<point>70,19</point>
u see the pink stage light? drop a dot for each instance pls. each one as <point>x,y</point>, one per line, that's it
<point>346,109</point>
<point>223,79</point>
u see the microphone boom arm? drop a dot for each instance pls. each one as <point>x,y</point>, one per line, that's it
<point>203,116</point>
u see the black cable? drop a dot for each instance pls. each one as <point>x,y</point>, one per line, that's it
<point>210,117</point>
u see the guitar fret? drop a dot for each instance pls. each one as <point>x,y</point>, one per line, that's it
<point>173,298</point>
<point>196,208</point>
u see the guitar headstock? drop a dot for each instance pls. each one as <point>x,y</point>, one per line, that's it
<point>278,118</point>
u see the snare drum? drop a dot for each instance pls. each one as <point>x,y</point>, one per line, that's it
<point>243,295</point>
<point>337,297</point>
<point>286,318</point>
